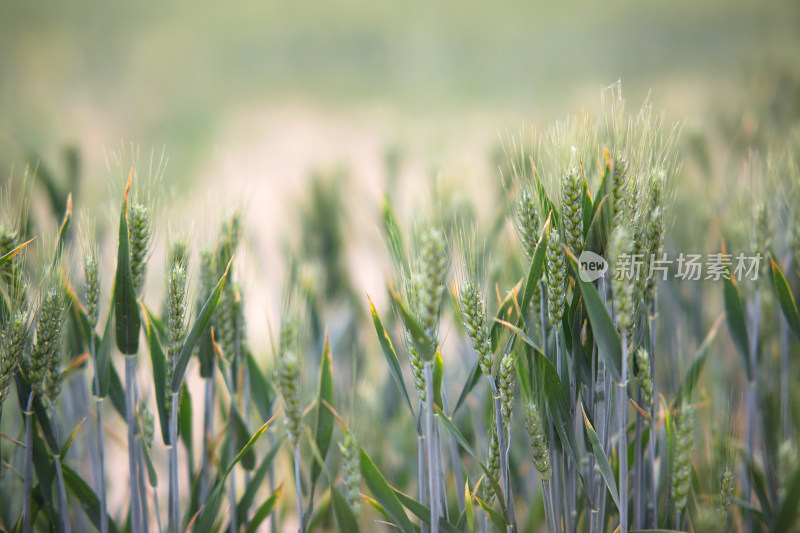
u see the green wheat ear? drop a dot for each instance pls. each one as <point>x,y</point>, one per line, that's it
<point>287,376</point>
<point>473,315</point>
<point>140,233</point>
<point>556,277</point>
<point>351,471</point>
<point>726,488</point>
<point>572,210</point>
<point>642,360</point>
<point>540,447</point>
<point>622,288</point>
<point>620,184</point>
<point>493,465</point>
<point>471,302</point>
<point>44,360</point>
<point>684,449</point>
<point>507,388</point>
<point>177,304</point>
<point>12,341</point>
<point>527,223</point>
<point>433,271</point>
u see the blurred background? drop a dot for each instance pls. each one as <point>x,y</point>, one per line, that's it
<point>250,99</point>
<point>306,114</point>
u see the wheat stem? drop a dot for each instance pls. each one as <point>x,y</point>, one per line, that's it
<point>157,510</point>
<point>547,494</point>
<point>752,398</point>
<point>232,482</point>
<point>421,445</point>
<point>101,467</point>
<point>143,486</point>
<point>433,479</point>
<point>622,413</point>
<point>208,433</point>
<point>28,468</point>
<point>555,485</point>
<point>133,463</point>
<point>652,488</point>
<point>63,510</point>
<point>300,525</point>
<point>456,460</point>
<point>174,522</point>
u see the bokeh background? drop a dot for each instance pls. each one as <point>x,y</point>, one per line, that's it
<point>248,100</point>
<point>298,111</point>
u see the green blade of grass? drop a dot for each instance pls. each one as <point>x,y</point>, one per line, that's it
<point>158,362</point>
<point>605,333</point>
<point>786,300</point>
<point>208,514</point>
<point>263,511</point>
<point>13,253</point>
<point>68,442</point>
<point>390,355</point>
<point>424,346</point>
<point>126,310</point>
<point>200,325</point>
<point>602,460</point>
<point>344,515</point>
<point>737,324</point>
<point>86,497</point>
<point>250,493</point>
<point>449,426</point>
<point>384,494</point>
<point>323,426</point>
<point>423,512</point>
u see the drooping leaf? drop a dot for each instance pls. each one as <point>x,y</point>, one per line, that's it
<point>497,520</point>
<point>344,515</point>
<point>384,494</point>
<point>786,299</point>
<point>737,324</point>
<point>251,491</point>
<point>390,355</point>
<point>208,514</point>
<point>68,443</point>
<point>200,325</point>
<point>602,460</point>
<point>424,346</point>
<point>263,511</point>
<point>423,512</point>
<point>158,362</point>
<point>449,426</point>
<point>472,380</point>
<point>86,497</point>
<point>126,310</point>
<point>242,435</point>
<point>605,333</point>
<point>13,253</point>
